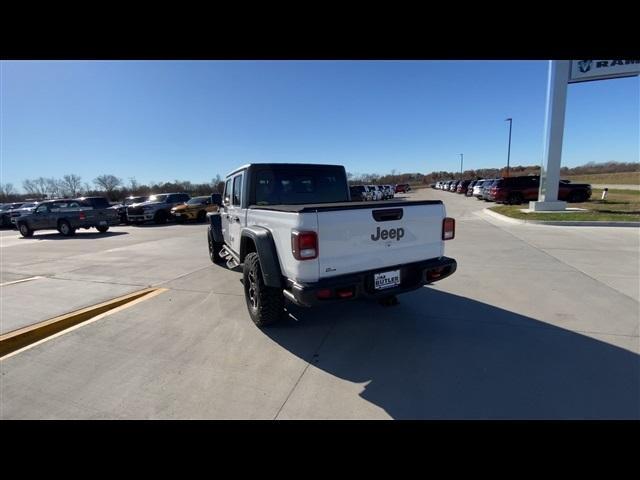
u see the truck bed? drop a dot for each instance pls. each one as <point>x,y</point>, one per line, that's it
<point>327,207</point>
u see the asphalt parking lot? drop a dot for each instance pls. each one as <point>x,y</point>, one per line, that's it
<point>537,322</point>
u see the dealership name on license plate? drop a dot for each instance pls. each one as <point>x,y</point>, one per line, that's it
<point>386,279</point>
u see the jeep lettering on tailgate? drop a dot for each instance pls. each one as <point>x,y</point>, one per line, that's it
<point>396,233</point>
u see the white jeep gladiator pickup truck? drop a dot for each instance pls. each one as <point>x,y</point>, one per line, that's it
<point>299,237</point>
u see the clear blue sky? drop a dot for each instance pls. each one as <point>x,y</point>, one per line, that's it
<point>167,120</point>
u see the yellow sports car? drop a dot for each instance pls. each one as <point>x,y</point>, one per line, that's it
<point>195,209</point>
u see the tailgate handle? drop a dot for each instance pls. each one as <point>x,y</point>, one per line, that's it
<point>387,215</point>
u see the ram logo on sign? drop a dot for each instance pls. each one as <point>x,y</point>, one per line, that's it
<point>587,70</point>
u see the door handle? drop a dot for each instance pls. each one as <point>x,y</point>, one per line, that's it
<point>236,219</point>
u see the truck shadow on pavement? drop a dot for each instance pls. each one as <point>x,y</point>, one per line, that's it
<point>79,234</point>
<point>441,356</point>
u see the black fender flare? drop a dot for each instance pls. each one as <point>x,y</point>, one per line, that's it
<point>215,227</point>
<point>267,253</point>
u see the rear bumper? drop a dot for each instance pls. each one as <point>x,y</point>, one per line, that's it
<point>412,277</point>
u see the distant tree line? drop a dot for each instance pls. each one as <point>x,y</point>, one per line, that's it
<point>115,188</point>
<point>110,186</point>
<point>517,170</point>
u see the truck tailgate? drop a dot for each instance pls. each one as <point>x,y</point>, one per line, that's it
<point>366,238</point>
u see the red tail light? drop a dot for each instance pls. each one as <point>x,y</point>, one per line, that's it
<point>82,216</point>
<point>345,292</point>
<point>304,245</point>
<point>448,228</point>
<point>323,293</point>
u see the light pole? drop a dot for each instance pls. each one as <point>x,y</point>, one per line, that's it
<point>461,158</point>
<point>510,120</point>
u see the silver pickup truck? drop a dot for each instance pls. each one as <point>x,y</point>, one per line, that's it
<point>66,216</point>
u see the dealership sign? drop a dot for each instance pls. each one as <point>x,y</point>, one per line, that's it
<point>587,70</point>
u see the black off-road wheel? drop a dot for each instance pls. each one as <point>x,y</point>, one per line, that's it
<point>65,228</point>
<point>265,304</point>
<point>103,228</point>
<point>214,250</point>
<point>25,231</point>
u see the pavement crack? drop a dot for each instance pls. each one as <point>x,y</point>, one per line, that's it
<point>314,355</point>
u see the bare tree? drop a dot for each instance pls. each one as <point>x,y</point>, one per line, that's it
<point>36,187</point>
<point>71,185</point>
<point>133,185</point>
<point>108,183</point>
<point>53,187</point>
<point>6,191</point>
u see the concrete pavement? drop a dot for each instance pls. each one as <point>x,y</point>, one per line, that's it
<point>538,322</point>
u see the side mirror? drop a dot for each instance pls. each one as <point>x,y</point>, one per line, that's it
<point>216,199</point>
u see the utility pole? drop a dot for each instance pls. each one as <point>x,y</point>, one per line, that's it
<point>510,120</point>
<point>461,158</point>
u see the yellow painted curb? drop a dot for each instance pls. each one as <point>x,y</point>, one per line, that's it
<point>23,337</point>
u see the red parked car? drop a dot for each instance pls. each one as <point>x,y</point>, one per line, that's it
<point>403,188</point>
<point>515,190</point>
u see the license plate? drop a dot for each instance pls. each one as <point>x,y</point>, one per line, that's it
<point>386,279</point>
<point>103,222</point>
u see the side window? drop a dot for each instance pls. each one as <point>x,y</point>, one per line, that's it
<point>185,198</point>
<point>42,209</point>
<point>237,190</point>
<point>227,192</point>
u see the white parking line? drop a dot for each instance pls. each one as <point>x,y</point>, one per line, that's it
<point>20,281</point>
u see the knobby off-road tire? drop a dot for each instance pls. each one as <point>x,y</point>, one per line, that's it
<point>265,304</point>
<point>102,229</point>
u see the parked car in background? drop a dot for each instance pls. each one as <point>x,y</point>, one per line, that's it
<point>377,192</point>
<point>477,188</point>
<point>24,209</point>
<point>391,191</point>
<point>516,190</point>
<point>196,208</point>
<point>462,186</point>
<point>121,208</point>
<point>454,185</point>
<point>358,193</point>
<point>94,202</point>
<point>157,208</point>
<point>469,191</point>
<point>486,189</point>
<point>403,188</point>
<point>370,192</point>
<point>66,216</point>
<point>5,213</point>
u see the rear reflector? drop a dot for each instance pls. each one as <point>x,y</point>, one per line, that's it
<point>304,245</point>
<point>323,293</point>
<point>344,292</point>
<point>448,228</point>
<point>435,273</point>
